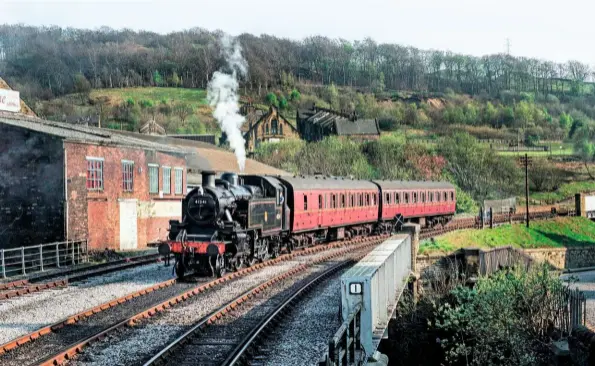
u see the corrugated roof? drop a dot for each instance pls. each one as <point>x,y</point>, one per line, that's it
<point>84,134</point>
<point>339,122</point>
<point>400,184</point>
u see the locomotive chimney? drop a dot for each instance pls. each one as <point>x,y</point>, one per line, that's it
<point>208,179</point>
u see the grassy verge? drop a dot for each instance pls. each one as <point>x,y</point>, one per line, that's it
<point>559,232</point>
<point>156,95</point>
<point>566,191</point>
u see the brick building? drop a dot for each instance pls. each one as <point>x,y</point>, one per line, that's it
<point>315,123</point>
<point>62,181</point>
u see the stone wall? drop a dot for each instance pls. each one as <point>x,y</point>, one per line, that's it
<point>565,258</point>
<point>31,188</point>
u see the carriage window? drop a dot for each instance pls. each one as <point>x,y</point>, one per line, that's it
<point>367,199</point>
<point>319,201</point>
<point>334,201</point>
<point>387,199</point>
<point>431,196</point>
<point>361,199</point>
<point>438,196</point>
<point>305,203</point>
<point>406,197</point>
<point>423,197</point>
<point>397,198</point>
<point>374,199</point>
<point>445,195</point>
<point>352,200</point>
<point>342,201</point>
<point>414,197</point>
<point>452,196</point>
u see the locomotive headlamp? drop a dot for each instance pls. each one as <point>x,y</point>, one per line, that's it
<point>355,288</point>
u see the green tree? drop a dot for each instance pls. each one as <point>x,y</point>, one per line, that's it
<point>282,102</point>
<point>175,79</point>
<point>295,95</point>
<point>82,87</point>
<point>584,145</point>
<point>490,114</point>
<point>566,121</point>
<point>271,99</point>
<point>157,78</point>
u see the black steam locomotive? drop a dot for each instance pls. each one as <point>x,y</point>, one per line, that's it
<point>222,220</point>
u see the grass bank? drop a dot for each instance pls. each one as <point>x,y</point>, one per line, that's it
<point>566,191</point>
<point>559,232</point>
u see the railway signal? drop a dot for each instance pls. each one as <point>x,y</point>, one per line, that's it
<point>526,161</point>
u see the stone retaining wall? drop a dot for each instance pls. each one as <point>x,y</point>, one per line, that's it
<point>565,258</point>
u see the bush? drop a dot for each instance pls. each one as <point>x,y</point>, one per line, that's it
<point>505,320</point>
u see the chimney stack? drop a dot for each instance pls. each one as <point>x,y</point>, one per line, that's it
<point>208,179</point>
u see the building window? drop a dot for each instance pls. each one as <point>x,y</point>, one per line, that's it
<point>127,175</point>
<point>266,127</point>
<point>274,127</point>
<point>178,180</point>
<point>153,178</point>
<point>305,203</point>
<point>281,129</point>
<point>166,180</point>
<point>94,174</point>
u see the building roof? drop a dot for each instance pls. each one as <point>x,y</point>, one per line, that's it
<point>209,157</point>
<point>24,107</point>
<point>85,134</point>
<point>265,115</point>
<point>152,128</point>
<point>339,122</point>
<point>200,156</point>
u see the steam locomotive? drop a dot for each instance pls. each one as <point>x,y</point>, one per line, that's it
<point>237,221</point>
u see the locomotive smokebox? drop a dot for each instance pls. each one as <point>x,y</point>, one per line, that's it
<point>231,178</point>
<point>208,179</point>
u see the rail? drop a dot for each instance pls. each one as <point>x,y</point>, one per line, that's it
<point>38,258</point>
<point>345,347</point>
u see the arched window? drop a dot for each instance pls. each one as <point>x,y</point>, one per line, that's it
<point>281,129</point>
<point>266,127</point>
<point>274,127</point>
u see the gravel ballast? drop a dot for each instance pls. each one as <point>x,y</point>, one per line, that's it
<point>24,314</point>
<point>303,336</point>
<point>133,345</point>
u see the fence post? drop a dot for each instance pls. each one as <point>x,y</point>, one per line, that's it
<point>58,255</point>
<point>41,257</point>
<point>3,264</point>
<point>23,259</point>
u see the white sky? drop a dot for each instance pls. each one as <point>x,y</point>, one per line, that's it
<point>546,29</point>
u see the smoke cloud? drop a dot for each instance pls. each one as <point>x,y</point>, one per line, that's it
<point>222,94</point>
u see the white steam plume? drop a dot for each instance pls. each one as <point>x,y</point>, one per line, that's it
<point>222,94</point>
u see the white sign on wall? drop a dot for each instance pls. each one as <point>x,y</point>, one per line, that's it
<point>10,100</point>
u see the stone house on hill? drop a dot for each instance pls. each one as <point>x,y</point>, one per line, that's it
<point>263,126</point>
<point>315,123</point>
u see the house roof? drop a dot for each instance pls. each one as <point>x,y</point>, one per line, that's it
<point>84,134</point>
<point>209,157</point>
<point>338,122</point>
<point>152,127</point>
<point>255,125</point>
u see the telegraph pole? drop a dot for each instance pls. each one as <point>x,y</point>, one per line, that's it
<point>525,161</point>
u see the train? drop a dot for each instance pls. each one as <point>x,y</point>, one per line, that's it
<point>235,221</point>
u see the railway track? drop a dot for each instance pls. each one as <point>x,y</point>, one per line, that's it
<point>473,223</point>
<point>229,335</point>
<point>63,278</point>
<point>61,341</point>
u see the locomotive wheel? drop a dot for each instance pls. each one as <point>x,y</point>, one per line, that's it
<point>220,266</point>
<point>180,269</point>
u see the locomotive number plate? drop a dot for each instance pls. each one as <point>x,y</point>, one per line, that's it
<point>200,202</point>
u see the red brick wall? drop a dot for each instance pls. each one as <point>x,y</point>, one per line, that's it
<point>96,214</point>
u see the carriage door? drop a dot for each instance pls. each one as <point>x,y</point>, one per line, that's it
<point>128,225</point>
<point>320,206</point>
